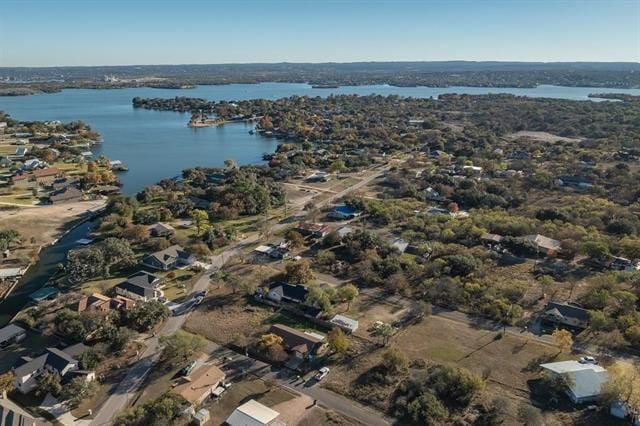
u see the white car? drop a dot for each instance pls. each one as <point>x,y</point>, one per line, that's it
<point>587,360</point>
<point>321,374</point>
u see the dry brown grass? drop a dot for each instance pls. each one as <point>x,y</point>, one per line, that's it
<point>44,223</point>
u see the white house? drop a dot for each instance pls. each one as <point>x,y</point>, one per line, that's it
<point>585,380</point>
<point>252,413</point>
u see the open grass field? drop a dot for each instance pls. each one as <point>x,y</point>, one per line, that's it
<point>508,364</point>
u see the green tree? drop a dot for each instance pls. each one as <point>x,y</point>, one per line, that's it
<point>299,272</point>
<point>143,317</point>
<point>179,346</point>
<point>386,331</point>
<point>348,293</point>
<point>90,359</point>
<point>49,382</point>
<point>338,341</point>
<point>394,361</point>
<point>118,337</point>
<point>8,236</point>
<point>199,217</point>
<point>317,296</point>
<point>77,390</point>
<point>69,324</point>
<point>294,238</point>
<point>116,251</point>
<point>6,382</point>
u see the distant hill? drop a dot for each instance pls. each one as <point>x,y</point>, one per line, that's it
<point>440,73</point>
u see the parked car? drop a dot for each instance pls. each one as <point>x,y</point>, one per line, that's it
<point>321,374</point>
<point>587,360</point>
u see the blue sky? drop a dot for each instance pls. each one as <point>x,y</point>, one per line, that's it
<point>114,32</point>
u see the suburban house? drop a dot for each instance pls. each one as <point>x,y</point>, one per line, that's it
<point>565,314</point>
<point>284,292</point>
<point>102,303</point>
<point>344,212</point>
<point>252,413</point>
<point>62,362</point>
<point>161,229</point>
<point>141,286</point>
<point>68,194</point>
<point>543,245</point>
<point>585,380</point>
<point>46,177</point>
<point>200,384</point>
<point>169,258</point>
<point>275,250</point>
<point>300,344</point>
<point>11,414</point>
<point>317,230</point>
<point>11,334</point>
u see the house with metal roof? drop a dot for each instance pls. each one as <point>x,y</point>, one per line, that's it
<point>585,381</point>
<point>344,212</point>
<point>252,413</point>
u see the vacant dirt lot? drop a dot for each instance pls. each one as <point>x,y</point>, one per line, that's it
<point>44,223</point>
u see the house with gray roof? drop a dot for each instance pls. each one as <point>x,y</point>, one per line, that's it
<point>11,414</point>
<point>11,334</point>
<point>169,258</point>
<point>62,362</point>
<point>566,314</point>
<point>141,286</point>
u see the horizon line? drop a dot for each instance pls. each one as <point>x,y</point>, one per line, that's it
<point>486,61</point>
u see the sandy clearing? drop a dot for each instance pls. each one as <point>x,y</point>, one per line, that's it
<point>45,223</point>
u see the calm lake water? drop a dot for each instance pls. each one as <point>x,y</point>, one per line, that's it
<point>158,144</point>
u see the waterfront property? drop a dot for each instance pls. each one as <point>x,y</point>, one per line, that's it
<point>11,334</point>
<point>141,286</point>
<point>62,362</point>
